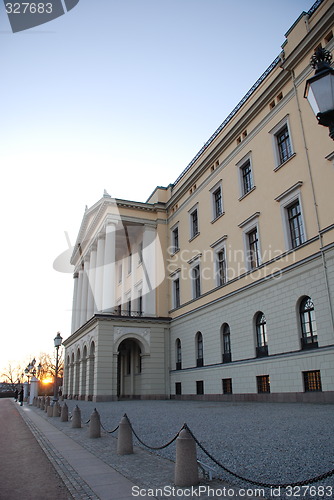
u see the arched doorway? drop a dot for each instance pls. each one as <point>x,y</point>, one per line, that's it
<point>129,369</point>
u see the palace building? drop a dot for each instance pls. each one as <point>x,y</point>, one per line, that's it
<point>221,285</point>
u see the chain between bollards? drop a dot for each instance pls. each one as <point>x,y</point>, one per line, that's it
<point>259,483</point>
<point>153,447</point>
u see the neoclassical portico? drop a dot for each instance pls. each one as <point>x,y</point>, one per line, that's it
<point>118,343</point>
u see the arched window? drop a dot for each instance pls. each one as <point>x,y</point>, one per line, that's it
<point>261,335</point>
<point>226,343</point>
<point>199,349</point>
<point>178,354</point>
<point>308,325</point>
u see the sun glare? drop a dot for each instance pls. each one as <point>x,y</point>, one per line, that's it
<point>47,381</point>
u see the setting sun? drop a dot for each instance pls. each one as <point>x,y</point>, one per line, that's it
<point>47,381</point>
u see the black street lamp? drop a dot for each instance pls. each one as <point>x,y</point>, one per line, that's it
<point>57,343</point>
<point>319,89</point>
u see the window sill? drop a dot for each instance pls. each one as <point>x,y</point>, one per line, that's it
<point>284,163</point>
<point>195,236</point>
<point>246,194</point>
<point>218,217</point>
<point>175,252</point>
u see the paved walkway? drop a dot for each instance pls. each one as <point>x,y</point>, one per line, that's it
<point>82,471</point>
<point>24,467</point>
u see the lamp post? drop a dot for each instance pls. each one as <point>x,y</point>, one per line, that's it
<point>57,343</point>
<point>29,369</point>
<point>319,89</point>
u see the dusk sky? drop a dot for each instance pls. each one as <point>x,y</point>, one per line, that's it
<point>117,95</point>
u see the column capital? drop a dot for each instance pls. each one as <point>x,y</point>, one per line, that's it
<point>101,235</point>
<point>93,247</point>
<point>75,275</point>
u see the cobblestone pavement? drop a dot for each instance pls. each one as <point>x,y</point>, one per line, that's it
<point>266,442</point>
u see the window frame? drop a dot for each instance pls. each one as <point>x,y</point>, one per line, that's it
<point>196,280</point>
<point>227,386</point>
<point>308,341</point>
<point>263,384</point>
<point>241,165</point>
<point>261,335</point>
<point>286,200</point>
<point>175,237</point>
<point>226,333</point>
<point>218,187</point>
<point>176,297</point>
<point>221,266</point>
<point>314,385</point>
<point>194,228</point>
<point>248,226</point>
<point>178,354</point>
<point>199,349</point>
<point>283,124</point>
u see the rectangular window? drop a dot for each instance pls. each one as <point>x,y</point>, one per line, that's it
<point>246,177</point>
<point>176,292</point>
<point>227,385</point>
<point>312,381</point>
<point>193,223</point>
<point>253,247</point>
<point>221,267</point>
<point>263,384</point>
<point>175,240</point>
<point>296,229</point>
<point>217,203</point>
<point>196,276</point>
<point>199,387</point>
<point>178,388</point>
<point>283,144</point>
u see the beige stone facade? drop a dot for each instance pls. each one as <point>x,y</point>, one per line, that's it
<point>221,285</point>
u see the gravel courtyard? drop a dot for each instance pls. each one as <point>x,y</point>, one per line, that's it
<point>266,442</point>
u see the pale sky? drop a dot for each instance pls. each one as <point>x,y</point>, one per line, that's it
<point>117,95</point>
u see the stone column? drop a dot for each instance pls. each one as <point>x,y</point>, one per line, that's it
<point>91,282</point>
<point>74,303</point>
<point>33,389</point>
<point>99,272</point>
<point>84,292</point>
<point>149,271</point>
<point>78,304</point>
<point>108,299</point>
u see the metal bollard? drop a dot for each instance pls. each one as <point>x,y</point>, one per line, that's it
<point>64,413</point>
<point>124,438</point>
<point>95,425</point>
<point>76,418</point>
<point>186,468</point>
